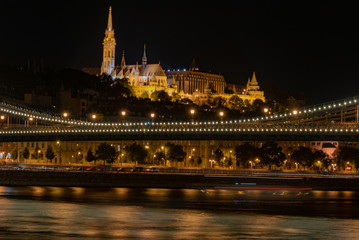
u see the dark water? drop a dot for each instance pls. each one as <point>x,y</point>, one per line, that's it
<point>118,213</point>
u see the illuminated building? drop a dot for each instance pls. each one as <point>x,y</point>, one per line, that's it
<point>147,78</point>
<point>143,78</point>
<point>192,80</point>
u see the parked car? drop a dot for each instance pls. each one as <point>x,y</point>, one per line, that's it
<point>153,169</point>
<point>138,169</point>
<point>124,169</point>
<point>91,169</point>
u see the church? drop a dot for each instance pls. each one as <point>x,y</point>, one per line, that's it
<point>144,78</point>
<point>147,78</point>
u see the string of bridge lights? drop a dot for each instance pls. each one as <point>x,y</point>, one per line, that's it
<point>245,130</point>
<point>33,115</point>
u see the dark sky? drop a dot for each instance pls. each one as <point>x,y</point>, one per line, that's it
<point>308,47</point>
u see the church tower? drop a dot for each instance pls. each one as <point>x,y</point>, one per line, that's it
<point>109,43</point>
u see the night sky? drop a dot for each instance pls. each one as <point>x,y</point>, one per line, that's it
<point>302,46</point>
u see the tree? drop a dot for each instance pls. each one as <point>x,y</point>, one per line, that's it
<point>304,156</point>
<point>135,153</point>
<point>90,156</point>
<point>26,153</point>
<point>271,154</point>
<point>144,95</point>
<point>228,162</point>
<point>160,157</point>
<point>218,155</point>
<point>258,105</point>
<point>217,102</point>
<point>37,153</point>
<point>49,153</point>
<point>199,161</point>
<point>14,154</point>
<point>235,103</point>
<point>347,154</point>
<point>121,88</point>
<point>244,153</point>
<point>319,155</point>
<point>175,152</point>
<point>160,96</point>
<point>106,152</point>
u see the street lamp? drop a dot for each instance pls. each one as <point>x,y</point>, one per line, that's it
<point>152,115</point>
<point>65,114</point>
<point>265,110</point>
<point>295,112</point>
<point>58,143</point>
<point>93,116</point>
<point>123,115</point>
<point>221,114</point>
<point>192,112</point>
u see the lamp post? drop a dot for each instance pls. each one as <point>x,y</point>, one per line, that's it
<point>152,115</point>
<point>211,161</point>
<point>266,111</point>
<point>58,144</point>
<point>123,115</point>
<point>192,112</point>
<point>221,114</point>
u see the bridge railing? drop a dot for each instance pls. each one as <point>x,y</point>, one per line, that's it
<point>23,112</point>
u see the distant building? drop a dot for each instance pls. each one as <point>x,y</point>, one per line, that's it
<point>327,147</point>
<point>192,80</point>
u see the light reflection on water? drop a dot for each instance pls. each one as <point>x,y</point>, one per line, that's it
<point>121,213</point>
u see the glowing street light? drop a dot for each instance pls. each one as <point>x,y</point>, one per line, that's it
<point>295,112</point>
<point>123,113</point>
<point>65,114</point>
<point>221,114</point>
<point>2,117</point>
<point>93,116</point>
<point>192,111</point>
<point>152,115</point>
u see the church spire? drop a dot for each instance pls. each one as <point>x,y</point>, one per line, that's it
<point>109,43</point>
<point>123,62</point>
<point>144,58</point>
<point>109,21</point>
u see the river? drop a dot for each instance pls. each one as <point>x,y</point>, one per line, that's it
<point>121,213</point>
